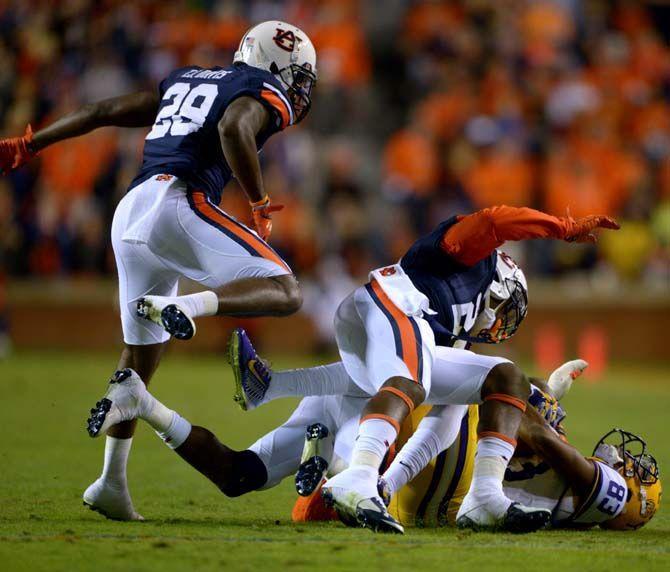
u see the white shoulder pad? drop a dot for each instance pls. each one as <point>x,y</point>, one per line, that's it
<point>400,289</point>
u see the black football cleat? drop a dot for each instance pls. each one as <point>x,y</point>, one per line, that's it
<point>518,519</point>
<point>98,415</point>
<point>172,318</point>
<point>521,519</point>
<point>368,513</point>
<point>372,514</point>
<point>313,465</point>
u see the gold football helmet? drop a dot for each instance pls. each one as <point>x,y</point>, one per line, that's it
<point>640,471</point>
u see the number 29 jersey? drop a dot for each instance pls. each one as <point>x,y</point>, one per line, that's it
<point>184,140</point>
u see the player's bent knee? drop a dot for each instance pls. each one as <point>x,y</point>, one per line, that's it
<point>507,378</point>
<point>413,390</point>
<point>247,474</point>
<point>292,293</point>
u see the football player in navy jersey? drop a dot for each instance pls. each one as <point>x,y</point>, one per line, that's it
<point>207,126</point>
<point>451,288</point>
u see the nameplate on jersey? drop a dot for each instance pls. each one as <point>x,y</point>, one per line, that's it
<point>401,291</point>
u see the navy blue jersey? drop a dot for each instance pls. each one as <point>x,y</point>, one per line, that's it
<point>455,291</point>
<point>184,140</point>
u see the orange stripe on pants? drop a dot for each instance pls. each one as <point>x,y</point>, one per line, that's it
<point>409,343</point>
<point>209,211</point>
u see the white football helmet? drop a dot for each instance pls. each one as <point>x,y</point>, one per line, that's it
<point>286,52</point>
<point>506,302</point>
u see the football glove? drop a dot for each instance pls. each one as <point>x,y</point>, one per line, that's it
<point>581,229</point>
<point>262,213</point>
<point>547,406</point>
<point>15,151</point>
<point>561,378</point>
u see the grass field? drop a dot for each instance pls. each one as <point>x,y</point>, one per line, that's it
<point>46,461</point>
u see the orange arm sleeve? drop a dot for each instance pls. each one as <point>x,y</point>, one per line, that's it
<point>475,236</point>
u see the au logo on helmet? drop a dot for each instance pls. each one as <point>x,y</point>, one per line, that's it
<point>285,39</point>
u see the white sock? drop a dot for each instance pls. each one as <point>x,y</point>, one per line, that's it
<point>491,460</point>
<point>331,379</point>
<point>375,436</point>
<point>178,431</point>
<point>116,461</point>
<point>423,446</point>
<point>199,304</point>
<point>168,424</point>
<point>436,432</point>
<point>494,447</point>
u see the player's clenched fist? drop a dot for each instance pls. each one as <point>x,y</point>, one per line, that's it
<point>581,229</point>
<point>16,151</point>
<point>262,213</point>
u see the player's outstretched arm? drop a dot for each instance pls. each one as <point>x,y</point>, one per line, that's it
<point>475,236</point>
<point>242,121</point>
<point>567,461</point>
<point>132,110</point>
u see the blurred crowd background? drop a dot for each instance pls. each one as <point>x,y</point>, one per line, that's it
<point>423,109</point>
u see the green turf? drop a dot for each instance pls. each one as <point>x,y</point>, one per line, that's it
<point>46,461</point>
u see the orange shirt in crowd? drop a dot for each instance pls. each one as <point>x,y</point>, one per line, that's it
<point>654,117</point>
<point>342,52</point>
<point>196,29</point>
<point>500,177</point>
<point>70,169</point>
<point>410,158</point>
<point>428,20</point>
<point>444,113</point>
<point>545,27</point>
<point>587,177</point>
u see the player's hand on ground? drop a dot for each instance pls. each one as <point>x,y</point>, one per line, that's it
<point>262,213</point>
<point>15,151</point>
<point>581,229</point>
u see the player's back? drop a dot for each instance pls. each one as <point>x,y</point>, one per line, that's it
<point>184,140</point>
<point>455,291</point>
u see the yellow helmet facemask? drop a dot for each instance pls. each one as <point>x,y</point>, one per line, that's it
<point>640,471</point>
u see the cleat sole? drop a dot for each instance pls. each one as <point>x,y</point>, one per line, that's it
<point>372,520</point>
<point>316,431</point>
<point>313,465</point>
<point>345,518</point>
<point>234,361</point>
<point>177,323</point>
<point>100,511</point>
<point>104,513</point>
<point>530,523</point>
<point>309,475</point>
<point>520,523</point>
<point>99,413</point>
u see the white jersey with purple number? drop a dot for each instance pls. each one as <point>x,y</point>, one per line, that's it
<point>532,482</point>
